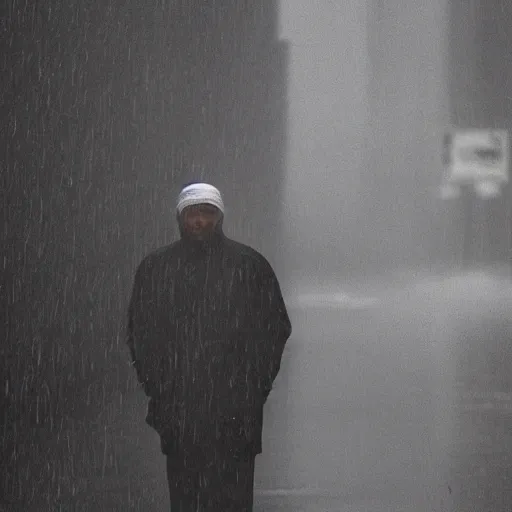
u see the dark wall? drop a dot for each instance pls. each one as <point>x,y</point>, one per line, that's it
<point>70,151</point>
<point>107,109</point>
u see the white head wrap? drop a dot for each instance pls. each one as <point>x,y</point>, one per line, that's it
<point>200,193</point>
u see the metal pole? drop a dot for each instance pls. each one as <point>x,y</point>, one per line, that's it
<point>467,203</point>
<point>509,227</point>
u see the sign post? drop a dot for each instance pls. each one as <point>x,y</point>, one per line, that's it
<point>476,157</point>
<point>476,163</point>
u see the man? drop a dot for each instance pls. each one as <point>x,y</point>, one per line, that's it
<point>207,328</point>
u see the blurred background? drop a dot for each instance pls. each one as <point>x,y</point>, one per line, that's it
<point>324,124</point>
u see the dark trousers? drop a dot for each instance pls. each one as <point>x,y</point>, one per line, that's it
<point>226,486</point>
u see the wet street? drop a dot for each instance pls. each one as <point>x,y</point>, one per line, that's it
<point>398,399</point>
<point>392,398</point>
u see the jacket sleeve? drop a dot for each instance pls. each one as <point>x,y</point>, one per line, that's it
<point>273,326</point>
<point>140,336</point>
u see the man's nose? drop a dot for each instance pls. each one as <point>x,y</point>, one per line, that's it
<point>199,221</point>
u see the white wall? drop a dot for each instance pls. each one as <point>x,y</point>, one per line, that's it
<point>328,108</point>
<point>409,112</point>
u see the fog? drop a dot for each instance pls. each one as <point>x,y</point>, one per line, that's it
<point>327,122</point>
<point>373,88</point>
<point>323,125</point>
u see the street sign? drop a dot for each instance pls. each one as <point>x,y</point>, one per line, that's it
<point>476,156</point>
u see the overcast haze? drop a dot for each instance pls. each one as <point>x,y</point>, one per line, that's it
<point>367,112</point>
<point>394,391</point>
<point>327,118</point>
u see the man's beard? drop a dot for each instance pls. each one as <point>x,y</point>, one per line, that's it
<point>201,235</point>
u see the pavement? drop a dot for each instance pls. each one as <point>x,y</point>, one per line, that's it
<point>390,398</point>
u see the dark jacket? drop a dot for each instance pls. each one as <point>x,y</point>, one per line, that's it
<point>206,330</point>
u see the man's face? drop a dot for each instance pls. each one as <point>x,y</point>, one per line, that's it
<point>199,221</point>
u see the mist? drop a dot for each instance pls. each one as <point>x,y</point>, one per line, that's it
<point>324,126</point>
<point>373,89</point>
